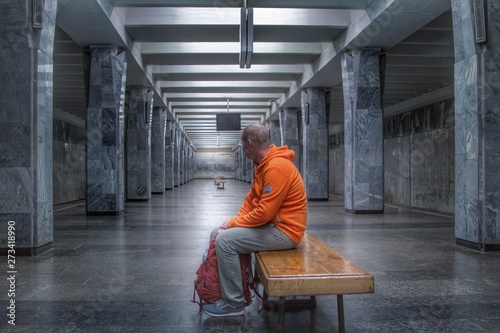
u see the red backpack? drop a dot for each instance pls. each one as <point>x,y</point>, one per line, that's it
<point>207,284</point>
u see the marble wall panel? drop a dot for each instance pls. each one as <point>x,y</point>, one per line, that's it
<point>336,159</point>
<point>215,164</point>
<point>432,170</point>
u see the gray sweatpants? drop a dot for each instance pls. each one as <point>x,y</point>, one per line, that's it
<point>230,243</point>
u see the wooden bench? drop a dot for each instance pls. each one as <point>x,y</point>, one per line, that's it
<point>219,182</point>
<point>313,268</point>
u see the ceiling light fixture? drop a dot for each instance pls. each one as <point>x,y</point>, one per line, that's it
<point>246,36</point>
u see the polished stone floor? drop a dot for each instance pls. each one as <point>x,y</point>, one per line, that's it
<point>135,272</point>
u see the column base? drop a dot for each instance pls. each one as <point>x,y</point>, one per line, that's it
<point>477,246</point>
<point>28,252</point>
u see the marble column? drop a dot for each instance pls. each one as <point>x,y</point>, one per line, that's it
<point>237,161</point>
<point>105,131</point>
<point>363,128</point>
<point>314,168</point>
<point>139,118</point>
<point>158,129</point>
<point>274,129</point>
<point>169,155</point>
<point>26,90</point>
<point>188,162</point>
<point>477,135</point>
<point>177,149</point>
<point>186,159</point>
<point>290,131</point>
<point>241,157</point>
<point>182,158</point>
<point>244,168</point>
<point>249,170</point>
<point>191,163</point>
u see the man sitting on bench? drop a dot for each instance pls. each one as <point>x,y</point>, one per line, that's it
<point>272,217</point>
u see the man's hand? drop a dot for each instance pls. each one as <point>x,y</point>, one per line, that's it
<point>224,224</point>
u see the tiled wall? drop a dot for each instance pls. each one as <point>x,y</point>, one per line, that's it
<point>212,164</point>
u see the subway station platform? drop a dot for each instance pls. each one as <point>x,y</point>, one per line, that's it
<point>134,272</point>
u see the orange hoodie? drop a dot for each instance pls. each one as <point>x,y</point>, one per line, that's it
<point>277,196</point>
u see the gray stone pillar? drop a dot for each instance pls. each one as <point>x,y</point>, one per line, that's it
<point>191,162</point>
<point>237,160</point>
<point>105,131</point>
<point>169,155</point>
<point>477,135</point>
<point>241,157</point>
<point>315,143</point>
<point>186,159</point>
<point>244,166</point>
<point>26,90</point>
<point>182,159</point>
<point>249,170</point>
<point>274,129</point>
<point>139,117</point>
<point>363,128</point>
<point>177,149</point>
<point>158,129</point>
<point>290,131</point>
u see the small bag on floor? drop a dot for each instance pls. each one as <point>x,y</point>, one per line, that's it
<point>207,284</point>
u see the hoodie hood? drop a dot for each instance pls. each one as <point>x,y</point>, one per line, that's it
<point>275,151</point>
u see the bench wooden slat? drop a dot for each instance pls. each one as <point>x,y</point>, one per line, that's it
<point>312,268</point>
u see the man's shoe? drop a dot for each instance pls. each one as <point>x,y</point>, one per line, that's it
<point>222,308</point>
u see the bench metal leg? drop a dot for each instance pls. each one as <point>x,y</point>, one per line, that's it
<point>281,318</point>
<point>340,309</point>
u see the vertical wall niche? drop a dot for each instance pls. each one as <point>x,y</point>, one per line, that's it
<point>69,151</point>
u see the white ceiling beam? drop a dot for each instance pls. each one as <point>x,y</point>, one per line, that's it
<point>228,47</point>
<point>155,16</point>
<point>223,84</point>
<point>265,69</point>
<point>212,112</point>
<point>218,95</point>
<point>180,105</point>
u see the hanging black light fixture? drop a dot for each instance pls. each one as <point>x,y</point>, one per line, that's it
<point>246,36</point>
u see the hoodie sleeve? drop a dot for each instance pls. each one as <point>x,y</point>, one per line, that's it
<point>264,206</point>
